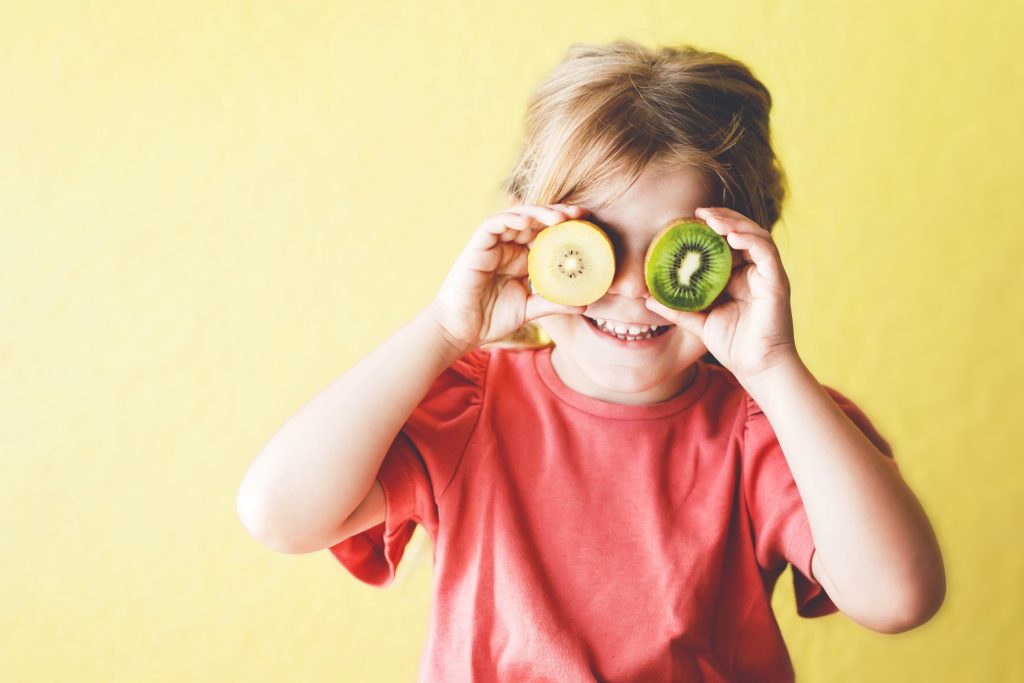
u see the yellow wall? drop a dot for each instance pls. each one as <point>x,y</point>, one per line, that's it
<point>211,209</point>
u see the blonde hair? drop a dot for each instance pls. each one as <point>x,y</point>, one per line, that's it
<point>606,112</point>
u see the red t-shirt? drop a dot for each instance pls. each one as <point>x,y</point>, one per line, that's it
<point>580,540</point>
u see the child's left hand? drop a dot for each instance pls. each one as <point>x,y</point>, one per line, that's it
<point>749,328</point>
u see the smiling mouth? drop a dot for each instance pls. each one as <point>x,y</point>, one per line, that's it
<point>633,332</point>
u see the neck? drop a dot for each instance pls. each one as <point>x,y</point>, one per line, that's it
<point>573,376</point>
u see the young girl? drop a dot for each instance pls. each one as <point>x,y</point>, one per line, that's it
<point>618,503</point>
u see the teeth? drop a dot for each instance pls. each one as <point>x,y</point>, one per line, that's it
<point>627,332</point>
<point>621,328</point>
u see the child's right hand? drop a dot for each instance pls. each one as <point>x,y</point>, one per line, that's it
<point>485,296</point>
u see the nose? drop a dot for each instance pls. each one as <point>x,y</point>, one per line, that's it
<point>628,281</point>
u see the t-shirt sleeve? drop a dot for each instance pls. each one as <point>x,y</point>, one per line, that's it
<point>781,530</point>
<point>419,465</point>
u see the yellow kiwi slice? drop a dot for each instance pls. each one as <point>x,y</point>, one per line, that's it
<point>571,263</point>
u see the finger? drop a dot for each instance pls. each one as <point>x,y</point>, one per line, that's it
<point>738,286</point>
<point>569,212</point>
<point>762,253</point>
<point>510,226</point>
<point>538,307</point>
<point>542,214</point>
<point>723,220</point>
<point>518,224</point>
<point>514,261</point>
<point>495,227</point>
<point>524,237</point>
<point>692,322</point>
<point>571,209</point>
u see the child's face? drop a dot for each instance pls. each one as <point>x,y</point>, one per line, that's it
<point>602,366</point>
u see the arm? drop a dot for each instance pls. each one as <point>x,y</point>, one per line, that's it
<point>305,488</point>
<point>875,551</point>
<point>319,466</point>
<point>876,554</point>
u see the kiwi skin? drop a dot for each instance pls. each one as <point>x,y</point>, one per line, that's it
<point>648,274</point>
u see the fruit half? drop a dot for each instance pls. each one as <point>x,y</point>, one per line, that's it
<point>687,265</point>
<point>571,263</point>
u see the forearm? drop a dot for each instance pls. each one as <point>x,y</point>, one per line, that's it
<point>871,534</point>
<point>321,463</point>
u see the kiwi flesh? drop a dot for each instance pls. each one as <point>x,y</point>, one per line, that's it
<point>571,263</point>
<point>687,265</point>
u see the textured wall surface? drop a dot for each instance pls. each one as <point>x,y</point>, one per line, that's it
<point>209,210</point>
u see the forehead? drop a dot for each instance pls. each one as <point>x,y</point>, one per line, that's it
<point>658,195</point>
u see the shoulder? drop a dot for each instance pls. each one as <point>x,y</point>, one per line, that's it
<point>489,366</point>
<point>504,360</point>
<point>722,381</point>
<point>472,365</point>
<point>724,396</point>
<point>758,427</point>
<point>463,381</point>
<point>469,370</point>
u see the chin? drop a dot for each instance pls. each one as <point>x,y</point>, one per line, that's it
<point>625,380</point>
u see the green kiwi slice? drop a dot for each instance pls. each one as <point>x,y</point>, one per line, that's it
<point>687,265</point>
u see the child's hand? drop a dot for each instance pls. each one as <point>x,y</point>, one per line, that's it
<point>749,329</point>
<point>485,296</point>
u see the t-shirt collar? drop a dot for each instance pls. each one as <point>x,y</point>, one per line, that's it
<point>595,406</point>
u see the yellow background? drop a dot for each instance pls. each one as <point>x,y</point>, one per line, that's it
<point>209,210</point>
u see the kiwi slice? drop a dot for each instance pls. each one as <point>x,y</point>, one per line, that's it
<point>687,265</point>
<point>571,263</point>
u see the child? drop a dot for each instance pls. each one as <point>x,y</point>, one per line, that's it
<point>618,503</point>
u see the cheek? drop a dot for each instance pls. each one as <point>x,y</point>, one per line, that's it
<point>557,326</point>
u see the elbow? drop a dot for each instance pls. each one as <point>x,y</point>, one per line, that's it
<point>920,602</point>
<point>276,526</point>
<point>253,514</point>
<point>911,617</point>
<point>929,598</point>
<point>916,595</point>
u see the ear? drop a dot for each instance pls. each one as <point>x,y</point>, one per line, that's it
<point>511,200</point>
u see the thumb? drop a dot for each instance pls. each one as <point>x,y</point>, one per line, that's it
<point>538,307</point>
<point>691,322</point>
